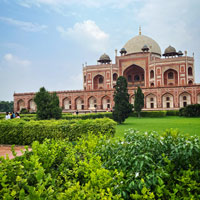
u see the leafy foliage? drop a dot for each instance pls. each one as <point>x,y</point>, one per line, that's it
<point>122,108</point>
<point>18,131</point>
<point>141,166</point>
<point>24,111</point>
<point>6,106</point>
<point>47,105</point>
<point>190,111</point>
<point>57,170</point>
<point>139,101</point>
<point>156,165</point>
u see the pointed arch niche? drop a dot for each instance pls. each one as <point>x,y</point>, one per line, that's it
<point>134,75</point>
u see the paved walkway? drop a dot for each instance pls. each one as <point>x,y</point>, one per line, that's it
<point>6,149</point>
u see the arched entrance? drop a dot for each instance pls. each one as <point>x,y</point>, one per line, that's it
<point>170,77</point>
<point>184,99</point>
<point>151,101</point>
<point>134,76</point>
<point>79,104</point>
<point>92,103</point>
<point>20,104</point>
<point>198,98</point>
<point>32,105</point>
<point>98,82</point>
<point>167,101</point>
<point>66,104</point>
<point>106,104</point>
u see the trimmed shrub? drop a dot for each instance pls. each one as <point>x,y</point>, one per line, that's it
<point>190,111</point>
<point>2,116</point>
<point>151,114</point>
<point>25,132</point>
<point>172,113</point>
<point>89,116</point>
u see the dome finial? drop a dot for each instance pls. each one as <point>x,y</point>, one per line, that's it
<point>140,30</point>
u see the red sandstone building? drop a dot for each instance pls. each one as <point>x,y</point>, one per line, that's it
<point>167,80</point>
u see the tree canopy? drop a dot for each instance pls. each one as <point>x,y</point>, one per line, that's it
<point>6,106</point>
<point>139,101</point>
<point>122,107</point>
<point>47,105</point>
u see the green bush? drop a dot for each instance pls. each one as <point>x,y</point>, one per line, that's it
<point>24,111</point>
<point>172,113</point>
<point>151,114</point>
<point>140,166</point>
<point>58,170</point>
<point>88,116</point>
<point>69,116</point>
<point>2,116</point>
<point>166,166</point>
<point>190,111</point>
<point>18,131</point>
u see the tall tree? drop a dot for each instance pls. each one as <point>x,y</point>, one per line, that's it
<point>122,108</point>
<point>47,105</point>
<point>139,101</point>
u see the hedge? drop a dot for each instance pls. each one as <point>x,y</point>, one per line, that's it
<point>68,116</point>
<point>161,113</point>
<point>88,116</point>
<point>172,113</point>
<point>20,132</point>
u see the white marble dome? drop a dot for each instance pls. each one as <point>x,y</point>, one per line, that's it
<point>136,44</point>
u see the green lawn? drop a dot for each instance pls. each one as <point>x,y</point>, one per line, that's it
<point>184,125</point>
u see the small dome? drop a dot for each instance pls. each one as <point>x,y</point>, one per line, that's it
<point>136,44</point>
<point>145,48</point>
<point>104,59</point>
<point>170,50</point>
<point>123,51</point>
<point>180,53</point>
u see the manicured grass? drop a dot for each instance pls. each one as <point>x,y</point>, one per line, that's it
<point>189,126</point>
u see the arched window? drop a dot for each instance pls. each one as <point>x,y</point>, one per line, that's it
<point>167,98</point>
<point>136,78</point>
<point>129,78</point>
<point>190,71</point>
<point>142,77</point>
<point>184,98</point>
<point>151,74</point>
<point>190,82</point>
<point>100,80</point>
<point>151,99</point>
<point>114,77</point>
<point>84,79</point>
<point>170,75</point>
<point>152,84</point>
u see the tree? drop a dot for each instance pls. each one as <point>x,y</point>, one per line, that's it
<point>47,105</point>
<point>122,108</point>
<point>139,101</point>
<point>6,106</point>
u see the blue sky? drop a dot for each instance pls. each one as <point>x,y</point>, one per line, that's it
<point>45,42</point>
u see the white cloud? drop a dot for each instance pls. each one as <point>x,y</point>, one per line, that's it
<point>26,26</point>
<point>87,3</point>
<point>173,23</point>
<point>14,61</point>
<point>87,34</point>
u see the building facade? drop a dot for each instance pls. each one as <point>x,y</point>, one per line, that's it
<point>167,80</point>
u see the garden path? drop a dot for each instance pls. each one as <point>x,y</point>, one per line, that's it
<point>6,149</point>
